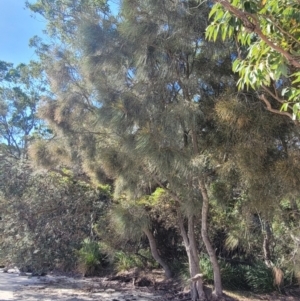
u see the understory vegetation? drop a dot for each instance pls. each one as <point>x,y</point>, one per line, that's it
<point>132,144</point>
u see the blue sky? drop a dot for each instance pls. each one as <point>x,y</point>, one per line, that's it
<point>17,26</point>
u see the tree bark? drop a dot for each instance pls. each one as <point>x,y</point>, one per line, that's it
<point>218,291</point>
<point>189,241</point>
<point>266,243</point>
<point>155,253</point>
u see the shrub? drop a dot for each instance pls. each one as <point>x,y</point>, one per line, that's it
<point>125,262</point>
<point>89,257</point>
<point>233,276</point>
<point>145,256</point>
<point>206,269</point>
<point>180,268</point>
<point>44,217</point>
<point>259,278</point>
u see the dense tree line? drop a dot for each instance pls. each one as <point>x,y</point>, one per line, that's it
<point>200,171</point>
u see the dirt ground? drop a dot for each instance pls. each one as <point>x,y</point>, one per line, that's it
<point>122,287</point>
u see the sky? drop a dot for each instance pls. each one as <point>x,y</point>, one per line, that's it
<point>17,26</point>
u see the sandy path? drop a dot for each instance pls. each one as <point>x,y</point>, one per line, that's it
<point>62,288</point>
<point>11,282</point>
<point>19,288</point>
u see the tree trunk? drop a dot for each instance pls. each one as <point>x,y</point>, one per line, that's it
<point>266,243</point>
<point>155,254</point>
<point>277,272</point>
<point>197,290</point>
<point>217,292</point>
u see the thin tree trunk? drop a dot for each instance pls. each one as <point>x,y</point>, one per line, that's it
<point>155,254</point>
<point>277,272</point>
<point>189,241</point>
<point>266,243</point>
<point>217,292</point>
<point>198,281</point>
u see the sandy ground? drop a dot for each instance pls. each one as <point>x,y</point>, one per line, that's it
<point>11,282</point>
<point>17,288</point>
<point>62,288</point>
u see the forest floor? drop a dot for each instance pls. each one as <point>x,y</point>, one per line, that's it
<point>122,287</point>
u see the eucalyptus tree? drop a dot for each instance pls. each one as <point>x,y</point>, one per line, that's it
<point>267,38</point>
<point>20,93</point>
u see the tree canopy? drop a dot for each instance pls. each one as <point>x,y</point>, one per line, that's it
<point>142,105</point>
<point>267,56</point>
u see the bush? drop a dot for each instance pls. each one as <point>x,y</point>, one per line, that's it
<point>44,217</point>
<point>89,257</point>
<point>206,269</point>
<point>180,268</point>
<point>124,261</point>
<point>233,276</point>
<point>147,259</point>
<point>259,278</point>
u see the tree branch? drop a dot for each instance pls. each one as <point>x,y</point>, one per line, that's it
<point>269,107</point>
<point>273,95</point>
<point>251,23</point>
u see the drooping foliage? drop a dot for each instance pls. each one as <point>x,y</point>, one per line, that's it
<point>151,103</point>
<point>143,102</point>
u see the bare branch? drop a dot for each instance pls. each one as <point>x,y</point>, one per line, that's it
<point>269,107</point>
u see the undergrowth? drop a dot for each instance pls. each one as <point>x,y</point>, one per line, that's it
<point>256,278</point>
<point>89,257</point>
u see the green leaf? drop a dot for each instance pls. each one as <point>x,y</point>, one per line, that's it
<point>283,69</point>
<point>284,107</point>
<point>219,15</point>
<point>297,80</point>
<point>296,108</point>
<point>224,32</point>
<point>214,10</point>
<point>235,65</point>
<point>216,33</point>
